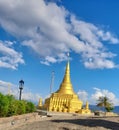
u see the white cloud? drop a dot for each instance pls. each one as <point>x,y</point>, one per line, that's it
<point>34,97</point>
<point>49,59</point>
<point>95,55</point>
<point>103,92</point>
<point>83,95</point>
<point>107,36</point>
<point>51,31</point>
<point>98,62</point>
<point>9,88</point>
<point>93,98</point>
<point>9,58</point>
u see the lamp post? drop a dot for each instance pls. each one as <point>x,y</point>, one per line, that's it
<point>21,85</point>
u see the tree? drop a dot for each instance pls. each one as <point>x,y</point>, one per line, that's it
<point>106,103</point>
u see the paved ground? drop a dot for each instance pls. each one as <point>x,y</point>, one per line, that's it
<point>73,123</point>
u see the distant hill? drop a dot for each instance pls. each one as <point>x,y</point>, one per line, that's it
<point>116,109</point>
<point>95,108</point>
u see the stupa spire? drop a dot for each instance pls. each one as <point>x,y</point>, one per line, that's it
<point>66,78</point>
<point>66,85</point>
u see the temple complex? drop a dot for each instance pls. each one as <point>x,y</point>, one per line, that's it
<point>65,99</point>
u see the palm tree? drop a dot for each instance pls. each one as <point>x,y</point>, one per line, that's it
<point>105,102</point>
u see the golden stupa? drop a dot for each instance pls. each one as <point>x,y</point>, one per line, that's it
<point>65,99</point>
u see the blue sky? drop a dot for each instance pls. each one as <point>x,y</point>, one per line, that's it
<point>36,35</point>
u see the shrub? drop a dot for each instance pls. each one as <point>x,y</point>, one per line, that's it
<point>9,106</point>
<point>30,107</point>
<point>21,107</point>
<point>13,105</point>
<point>4,105</point>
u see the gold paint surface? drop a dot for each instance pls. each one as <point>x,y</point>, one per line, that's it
<point>66,85</point>
<point>65,99</point>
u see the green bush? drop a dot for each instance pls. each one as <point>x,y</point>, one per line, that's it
<point>9,106</point>
<point>21,108</point>
<point>4,105</point>
<point>12,110</point>
<point>30,107</point>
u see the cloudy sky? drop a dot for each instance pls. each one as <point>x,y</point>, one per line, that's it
<point>36,35</point>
